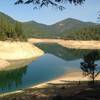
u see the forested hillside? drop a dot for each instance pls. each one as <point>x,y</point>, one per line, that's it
<point>67,29</point>
<point>88,33</point>
<point>10,29</point>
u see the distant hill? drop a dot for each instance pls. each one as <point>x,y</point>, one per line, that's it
<point>51,31</point>
<point>70,24</point>
<point>66,29</point>
<point>33,28</point>
<point>6,17</point>
<point>10,29</point>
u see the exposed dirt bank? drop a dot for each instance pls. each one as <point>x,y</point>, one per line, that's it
<point>75,44</point>
<point>15,51</point>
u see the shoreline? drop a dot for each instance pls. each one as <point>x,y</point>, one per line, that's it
<point>16,53</point>
<point>57,80</point>
<point>66,78</point>
<point>73,44</point>
<point>17,50</point>
<point>70,76</point>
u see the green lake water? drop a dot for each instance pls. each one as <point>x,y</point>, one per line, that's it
<point>56,61</point>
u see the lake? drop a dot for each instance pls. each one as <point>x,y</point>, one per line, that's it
<point>56,61</point>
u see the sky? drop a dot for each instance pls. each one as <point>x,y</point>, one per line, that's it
<point>86,12</point>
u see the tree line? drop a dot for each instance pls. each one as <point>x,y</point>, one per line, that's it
<point>10,31</point>
<point>88,33</point>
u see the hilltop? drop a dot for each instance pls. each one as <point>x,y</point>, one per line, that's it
<point>67,29</point>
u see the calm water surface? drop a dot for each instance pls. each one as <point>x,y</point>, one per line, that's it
<point>45,68</point>
<point>55,62</point>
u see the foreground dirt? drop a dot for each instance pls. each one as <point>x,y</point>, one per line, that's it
<point>76,44</point>
<point>65,91</point>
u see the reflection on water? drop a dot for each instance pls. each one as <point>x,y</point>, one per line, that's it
<point>57,61</point>
<point>62,52</point>
<point>11,78</point>
<point>41,70</point>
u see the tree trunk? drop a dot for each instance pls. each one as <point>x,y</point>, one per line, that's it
<point>93,79</point>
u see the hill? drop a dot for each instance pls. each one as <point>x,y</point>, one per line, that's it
<point>58,30</point>
<point>69,24</point>
<point>10,29</point>
<point>33,28</point>
<point>67,29</point>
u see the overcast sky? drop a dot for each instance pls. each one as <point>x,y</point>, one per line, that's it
<point>86,12</point>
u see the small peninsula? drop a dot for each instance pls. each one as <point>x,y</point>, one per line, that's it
<point>14,51</point>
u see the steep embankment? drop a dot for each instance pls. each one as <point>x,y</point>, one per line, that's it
<point>14,51</point>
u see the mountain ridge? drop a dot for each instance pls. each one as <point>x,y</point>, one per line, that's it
<point>59,29</point>
<point>69,18</point>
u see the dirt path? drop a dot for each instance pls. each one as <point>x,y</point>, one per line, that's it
<point>77,44</point>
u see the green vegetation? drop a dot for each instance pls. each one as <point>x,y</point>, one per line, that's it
<point>66,29</point>
<point>47,3</point>
<point>63,52</point>
<point>89,67</point>
<point>89,33</point>
<point>11,78</point>
<point>10,29</point>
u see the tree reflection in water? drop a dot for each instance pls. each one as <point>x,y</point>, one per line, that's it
<point>11,78</point>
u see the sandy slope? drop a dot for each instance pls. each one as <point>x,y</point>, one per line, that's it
<point>75,75</point>
<point>76,44</point>
<point>10,51</point>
